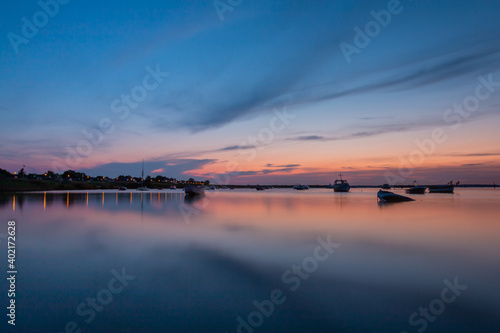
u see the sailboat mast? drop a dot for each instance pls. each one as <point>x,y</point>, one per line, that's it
<point>142,177</point>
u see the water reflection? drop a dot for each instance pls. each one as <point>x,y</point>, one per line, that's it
<point>202,276</point>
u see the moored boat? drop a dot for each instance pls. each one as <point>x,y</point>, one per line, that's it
<point>300,187</point>
<point>386,186</point>
<point>122,188</point>
<point>173,187</point>
<point>341,185</point>
<point>194,190</point>
<point>142,187</point>
<point>386,196</point>
<point>448,188</point>
<point>416,189</point>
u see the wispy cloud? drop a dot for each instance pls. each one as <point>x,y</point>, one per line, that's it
<point>236,148</point>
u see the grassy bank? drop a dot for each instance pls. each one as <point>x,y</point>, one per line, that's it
<point>27,185</point>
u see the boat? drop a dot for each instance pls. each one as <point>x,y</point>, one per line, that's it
<point>448,188</point>
<point>300,187</point>
<point>386,186</point>
<point>330,186</point>
<point>212,187</point>
<point>386,196</point>
<point>142,187</point>
<point>194,190</point>
<point>122,188</point>
<point>416,189</point>
<point>260,188</point>
<point>341,185</point>
<point>173,187</point>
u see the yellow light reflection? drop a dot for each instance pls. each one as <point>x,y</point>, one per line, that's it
<point>87,199</point>
<point>103,198</point>
<point>44,200</point>
<point>131,198</point>
<point>14,203</point>
<point>67,199</point>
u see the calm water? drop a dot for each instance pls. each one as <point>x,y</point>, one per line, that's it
<point>196,266</point>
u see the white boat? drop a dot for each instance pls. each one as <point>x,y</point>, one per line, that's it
<point>194,190</point>
<point>341,185</point>
<point>386,196</point>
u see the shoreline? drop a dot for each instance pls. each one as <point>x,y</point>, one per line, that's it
<point>8,185</point>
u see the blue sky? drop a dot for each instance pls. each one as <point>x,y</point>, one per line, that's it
<point>226,77</point>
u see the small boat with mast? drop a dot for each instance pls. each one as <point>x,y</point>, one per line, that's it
<point>341,185</point>
<point>142,187</point>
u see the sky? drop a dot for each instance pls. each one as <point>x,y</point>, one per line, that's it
<point>246,92</point>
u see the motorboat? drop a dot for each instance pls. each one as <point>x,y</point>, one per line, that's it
<point>122,188</point>
<point>173,187</point>
<point>416,189</point>
<point>386,196</point>
<point>448,188</point>
<point>341,185</point>
<point>386,186</point>
<point>194,190</point>
<point>300,187</point>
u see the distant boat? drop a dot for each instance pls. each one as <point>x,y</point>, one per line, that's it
<point>225,188</point>
<point>122,188</point>
<point>212,187</point>
<point>194,190</point>
<point>260,188</point>
<point>416,189</point>
<point>386,196</point>
<point>173,187</point>
<point>330,186</point>
<point>386,186</point>
<point>142,188</point>
<point>341,185</point>
<point>300,187</point>
<point>449,188</point>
